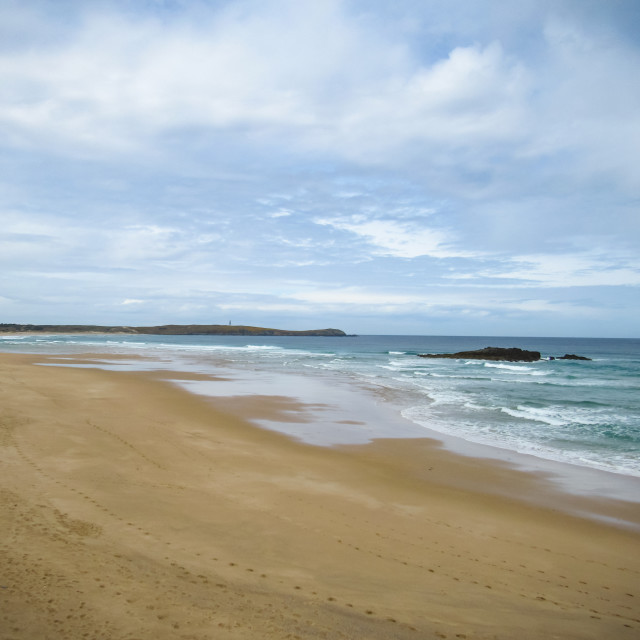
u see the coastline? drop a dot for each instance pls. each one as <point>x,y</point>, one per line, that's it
<point>357,414</point>
<point>541,411</point>
<point>329,410</point>
<point>133,506</point>
<point>164,330</point>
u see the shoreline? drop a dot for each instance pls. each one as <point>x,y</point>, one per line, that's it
<point>518,444</point>
<point>293,404</point>
<point>563,477</point>
<point>583,491</point>
<point>136,508</point>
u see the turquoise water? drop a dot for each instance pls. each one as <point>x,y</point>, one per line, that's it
<point>583,413</point>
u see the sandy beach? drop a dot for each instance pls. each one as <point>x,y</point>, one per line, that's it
<point>132,509</point>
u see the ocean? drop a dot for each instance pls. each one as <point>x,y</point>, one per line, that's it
<point>584,413</point>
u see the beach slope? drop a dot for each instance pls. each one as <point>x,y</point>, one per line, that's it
<point>132,509</point>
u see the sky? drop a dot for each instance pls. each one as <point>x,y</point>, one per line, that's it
<point>427,167</point>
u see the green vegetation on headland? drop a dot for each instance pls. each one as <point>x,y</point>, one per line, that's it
<point>168,330</point>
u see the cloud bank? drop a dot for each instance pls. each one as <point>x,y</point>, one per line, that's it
<point>426,167</point>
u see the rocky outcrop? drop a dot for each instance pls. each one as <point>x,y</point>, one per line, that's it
<point>511,354</point>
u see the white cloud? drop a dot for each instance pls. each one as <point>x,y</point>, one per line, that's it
<point>475,95</point>
<point>545,306</point>
<point>135,244</point>
<point>122,84</point>
<point>115,81</point>
<point>266,307</point>
<point>390,238</point>
<point>570,270</point>
<point>431,304</point>
<point>281,213</point>
<point>355,296</point>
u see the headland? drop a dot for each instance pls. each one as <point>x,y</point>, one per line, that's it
<point>168,330</point>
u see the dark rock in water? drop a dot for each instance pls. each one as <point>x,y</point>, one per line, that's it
<point>512,354</point>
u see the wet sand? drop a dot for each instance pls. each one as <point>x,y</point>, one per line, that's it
<point>130,508</point>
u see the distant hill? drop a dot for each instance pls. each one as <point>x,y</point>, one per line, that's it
<point>168,330</point>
